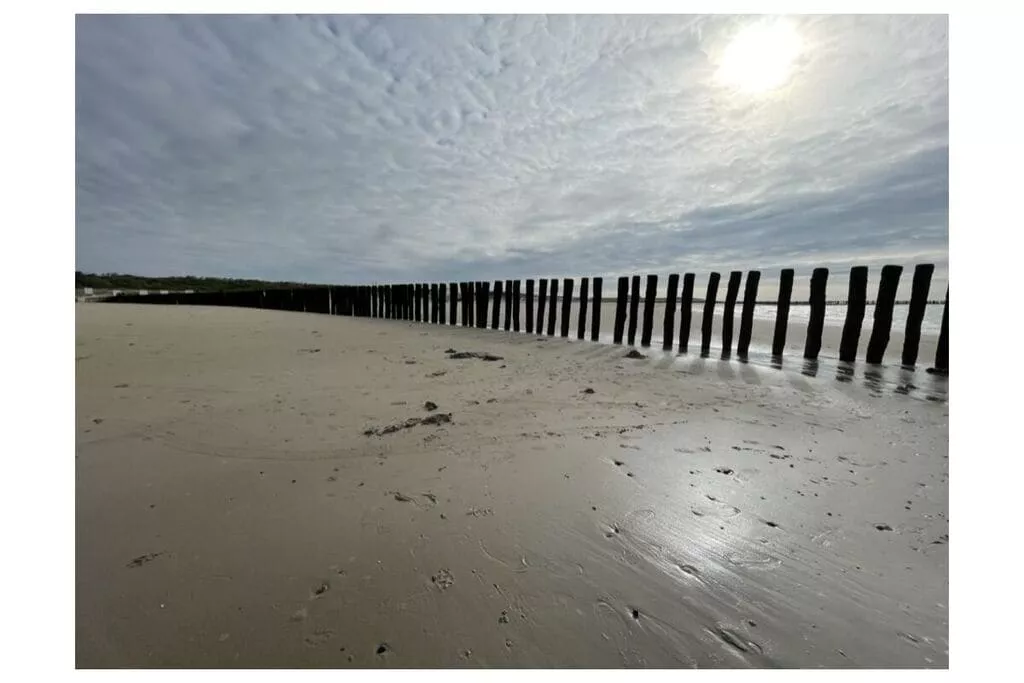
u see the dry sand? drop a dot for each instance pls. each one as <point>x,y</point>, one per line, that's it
<point>232,511</point>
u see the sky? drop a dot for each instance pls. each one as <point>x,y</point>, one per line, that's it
<point>349,149</point>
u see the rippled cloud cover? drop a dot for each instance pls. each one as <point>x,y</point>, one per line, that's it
<point>358,149</point>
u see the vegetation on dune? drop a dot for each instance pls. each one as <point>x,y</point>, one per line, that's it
<point>199,284</point>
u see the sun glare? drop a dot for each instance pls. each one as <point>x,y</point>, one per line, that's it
<point>760,57</point>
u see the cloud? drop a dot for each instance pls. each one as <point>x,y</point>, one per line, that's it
<point>345,149</point>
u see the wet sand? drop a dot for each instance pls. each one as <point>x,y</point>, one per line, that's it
<point>260,489</point>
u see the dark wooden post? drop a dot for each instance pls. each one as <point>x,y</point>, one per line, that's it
<point>483,290</point>
<point>942,350</point>
<point>553,310</point>
<point>732,292</point>
<point>685,312</point>
<point>453,303</point>
<point>634,308</point>
<point>425,292</point>
<point>707,322</point>
<point>373,301</point>
<point>816,323</point>
<point>464,303</point>
<point>650,295</point>
<point>747,316</point>
<point>508,305</point>
<point>515,305</point>
<point>418,298</point>
<point>668,331</point>
<point>595,317</point>
<point>529,306</point>
<point>496,310</point>
<point>856,302</point>
<point>441,298</point>
<point>915,314</point>
<point>882,326</point>
<point>542,299</point>
<point>620,309</point>
<point>566,305</point>
<point>581,324</point>
<point>782,312</point>
<point>474,302</point>
<point>433,303</point>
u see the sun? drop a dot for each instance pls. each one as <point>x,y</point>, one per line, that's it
<point>760,57</point>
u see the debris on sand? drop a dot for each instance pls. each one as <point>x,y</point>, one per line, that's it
<point>462,355</point>
<point>883,527</point>
<point>443,579</point>
<point>588,390</point>
<point>436,419</point>
<point>724,470</point>
<point>633,353</point>
<point>430,405</point>
<point>143,559</point>
<point>309,350</point>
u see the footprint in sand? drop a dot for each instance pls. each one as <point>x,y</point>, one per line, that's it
<point>318,637</point>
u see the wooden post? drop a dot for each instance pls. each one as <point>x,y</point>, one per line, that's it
<point>433,304</point>
<point>942,350</point>
<point>581,324</point>
<point>595,317</point>
<point>441,298</point>
<point>708,320</point>
<point>732,292</point>
<point>882,326</point>
<point>782,312</point>
<point>747,316</point>
<point>552,310</point>
<point>566,304</point>
<point>483,294</point>
<point>453,303</point>
<point>816,324</point>
<point>634,308</point>
<point>620,309</point>
<point>474,302</point>
<point>685,312</point>
<point>515,305</point>
<point>418,298</point>
<point>649,296</point>
<point>529,306</point>
<point>496,310</point>
<point>668,331</point>
<point>464,303</point>
<point>425,290</point>
<point>508,305</point>
<point>542,299</point>
<point>856,302</point>
<point>915,314</point>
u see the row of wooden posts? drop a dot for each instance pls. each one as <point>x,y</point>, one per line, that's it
<point>467,302</point>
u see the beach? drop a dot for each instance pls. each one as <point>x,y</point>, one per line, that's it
<point>260,488</point>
